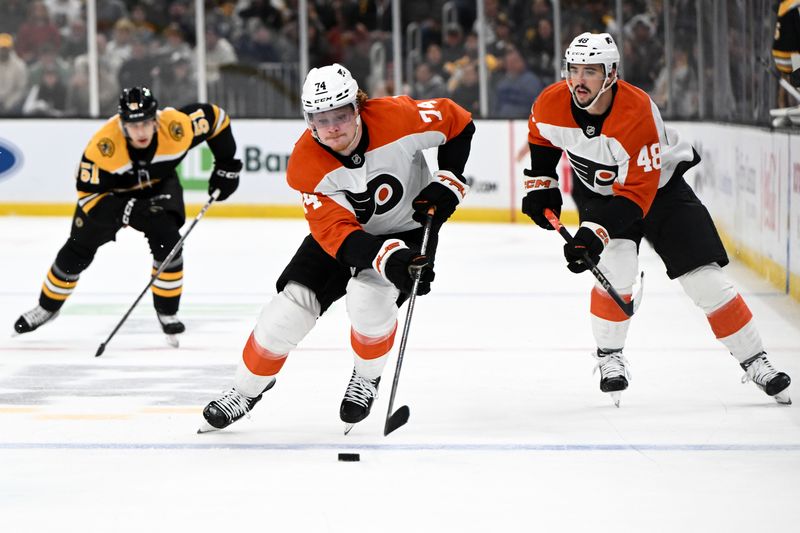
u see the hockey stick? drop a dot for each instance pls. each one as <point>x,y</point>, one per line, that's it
<point>164,263</point>
<point>396,419</point>
<point>627,307</point>
<point>788,87</point>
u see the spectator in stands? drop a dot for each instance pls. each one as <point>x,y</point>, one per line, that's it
<point>173,42</point>
<point>78,84</point>
<point>140,68</point>
<point>119,47</point>
<point>181,13</point>
<point>435,59</point>
<point>63,13</point>
<point>683,88</point>
<point>48,98</point>
<point>176,79</point>
<point>540,50</point>
<point>258,45</point>
<point>537,10</point>
<point>109,13</point>
<point>13,77</point>
<point>12,13</point>
<point>219,52</point>
<point>427,84</point>
<point>74,42</point>
<point>502,27</point>
<point>643,53</point>
<point>142,25</point>
<point>263,10</point>
<point>464,88</point>
<point>36,32</point>
<point>48,57</point>
<point>516,88</point>
<point>452,43</point>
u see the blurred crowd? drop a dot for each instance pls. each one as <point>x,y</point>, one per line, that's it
<point>44,62</point>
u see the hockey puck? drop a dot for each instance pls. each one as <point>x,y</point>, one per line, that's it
<point>349,457</point>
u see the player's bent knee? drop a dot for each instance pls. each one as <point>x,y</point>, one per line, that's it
<point>708,287</point>
<point>371,304</point>
<point>287,319</point>
<point>620,263</point>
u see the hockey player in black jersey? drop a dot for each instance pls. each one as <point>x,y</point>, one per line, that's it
<point>127,177</point>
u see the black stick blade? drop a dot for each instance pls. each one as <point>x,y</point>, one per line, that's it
<point>100,349</point>
<point>398,418</point>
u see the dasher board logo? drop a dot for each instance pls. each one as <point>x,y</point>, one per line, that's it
<point>591,172</point>
<point>11,159</point>
<point>195,169</point>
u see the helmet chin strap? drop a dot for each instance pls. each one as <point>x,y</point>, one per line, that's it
<point>606,86</point>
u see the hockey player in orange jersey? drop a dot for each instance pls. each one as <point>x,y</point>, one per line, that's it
<point>127,177</point>
<point>366,191</point>
<point>629,172</point>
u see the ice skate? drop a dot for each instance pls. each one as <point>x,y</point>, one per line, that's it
<point>229,408</point>
<point>759,370</point>
<point>357,401</point>
<point>614,373</point>
<point>171,326</point>
<point>34,318</point>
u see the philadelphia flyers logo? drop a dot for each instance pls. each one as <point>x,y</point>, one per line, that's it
<point>591,172</point>
<point>382,195</point>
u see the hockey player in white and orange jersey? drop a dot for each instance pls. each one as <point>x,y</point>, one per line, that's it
<point>366,191</point>
<point>630,184</point>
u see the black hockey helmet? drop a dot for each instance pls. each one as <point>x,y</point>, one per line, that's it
<point>137,104</point>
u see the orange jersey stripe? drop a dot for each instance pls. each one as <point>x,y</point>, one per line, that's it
<point>603,306</point>
<point>372,347</point>
<point>730,318</point>
<point>261,361</point>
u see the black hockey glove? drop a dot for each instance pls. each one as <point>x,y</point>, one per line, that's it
<point>141,213</point>
<point>444,194</point>
<point>590,239</point>
<point>225,177</point>
<point>398,264</point>
<point>543,192</point>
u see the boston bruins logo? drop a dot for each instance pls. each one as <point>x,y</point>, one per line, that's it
<point>176,130</point>
<point>106,147</point>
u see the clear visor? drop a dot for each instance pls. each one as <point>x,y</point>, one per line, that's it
<point>333,118</point>
<point>574,71</point>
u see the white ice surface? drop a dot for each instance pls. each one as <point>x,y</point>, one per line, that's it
<point>508,432</point>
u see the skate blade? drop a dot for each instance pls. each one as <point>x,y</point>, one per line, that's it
<point>348,427</point>
<point>783,398</point>
<point>206,428</point>
<point>173,341</point>
<point>615,397</point>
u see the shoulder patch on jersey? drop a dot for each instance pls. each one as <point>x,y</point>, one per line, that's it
<point>172,128</point>
<point>176,130</point>
<point>106,147</point>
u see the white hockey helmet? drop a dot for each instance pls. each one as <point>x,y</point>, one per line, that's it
<point>327,88</point>
<point>592,48</point>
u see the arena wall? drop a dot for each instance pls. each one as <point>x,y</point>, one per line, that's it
<point>749,179</point>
